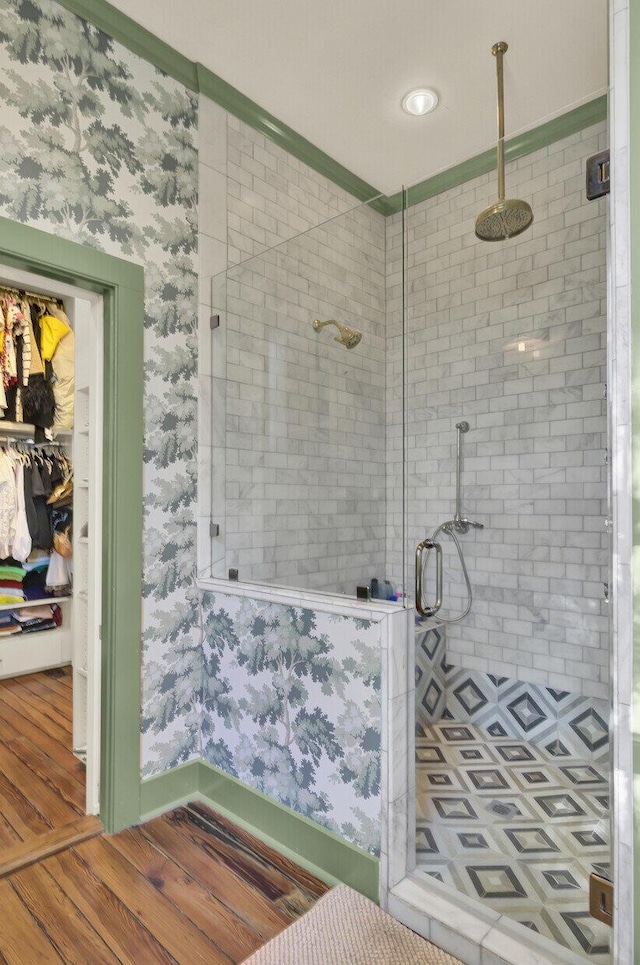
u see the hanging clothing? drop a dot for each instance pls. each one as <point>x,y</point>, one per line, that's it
<point>22,539</point>
<point>8,504</point>
<point>63,364</point>
<point>37,357</point>
<point>30,476</point>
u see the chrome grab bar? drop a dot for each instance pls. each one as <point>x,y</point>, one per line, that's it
<point>428,544</point>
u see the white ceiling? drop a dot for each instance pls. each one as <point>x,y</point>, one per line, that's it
<point>336,70</point>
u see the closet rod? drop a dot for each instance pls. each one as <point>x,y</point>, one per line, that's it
<point>31,296</point>
<point>17,440</point>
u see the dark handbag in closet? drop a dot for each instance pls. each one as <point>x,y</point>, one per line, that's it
<point>38,402</point>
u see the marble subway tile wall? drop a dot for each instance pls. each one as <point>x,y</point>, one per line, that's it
<point>272,196</point>
<point>511,337</point>
<point>305,428</point>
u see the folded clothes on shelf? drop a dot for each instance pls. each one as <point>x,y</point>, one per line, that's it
<point>11,577</point>
<point>31,619</point>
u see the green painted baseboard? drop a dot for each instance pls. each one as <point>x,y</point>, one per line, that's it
<point>320,851</point>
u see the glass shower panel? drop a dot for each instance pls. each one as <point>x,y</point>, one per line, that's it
<point>506,347</point>
<point>298,465</point>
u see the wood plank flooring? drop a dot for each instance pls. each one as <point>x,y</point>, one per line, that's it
<point>185,888</point>
<point>42,785</point>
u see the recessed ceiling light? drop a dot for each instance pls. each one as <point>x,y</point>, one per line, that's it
<point>420,101</point>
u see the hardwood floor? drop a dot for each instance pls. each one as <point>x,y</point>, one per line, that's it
<point>188,887</point>
<point>42,785</point>
<point>185,888</point>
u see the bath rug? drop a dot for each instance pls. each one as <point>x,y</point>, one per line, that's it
<point>345,928</point>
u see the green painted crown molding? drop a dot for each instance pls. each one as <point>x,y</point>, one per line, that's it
<point>213,86</point>
<point>517,147</point>
<point>198,78</point>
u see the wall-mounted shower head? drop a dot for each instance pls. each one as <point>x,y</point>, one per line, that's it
<point>348,337</point>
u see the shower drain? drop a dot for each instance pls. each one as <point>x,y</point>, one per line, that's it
<point>503,810</point>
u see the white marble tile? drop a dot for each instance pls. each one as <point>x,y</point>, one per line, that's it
<point>619,358</point>
<point>489,958</point>
<point>205,389</point>
<point>213,261</point>
<point>503,360</point>
<point>214,408</point>
<point>212,205</point>
<point>413,918</point>
<point>219,558</point>
<point>397,654</point>
<point>203,546</point>
<point>212,134</point>
<point>446,907</point>
<point>322,602</point>
<point>204,479</point>
<point>218,297</point>
<point>398,750</point>
<point>398,818</point>
<point>204,342</point>
<point>515,944</point>
<point>455,943</point>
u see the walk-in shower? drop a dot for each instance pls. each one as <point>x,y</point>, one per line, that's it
<point>477,388</point>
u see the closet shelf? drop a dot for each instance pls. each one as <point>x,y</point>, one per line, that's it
<point>28,603</point>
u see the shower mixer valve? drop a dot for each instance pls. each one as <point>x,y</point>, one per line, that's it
<point>462,525</point>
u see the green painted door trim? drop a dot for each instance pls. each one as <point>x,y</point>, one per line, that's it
<point>196,77</point>
<point>517,147</point>
<point>122,287</point>
<point>319,850</point>
<point>634,277</point>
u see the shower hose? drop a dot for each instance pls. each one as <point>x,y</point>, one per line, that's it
<point>448,528</point>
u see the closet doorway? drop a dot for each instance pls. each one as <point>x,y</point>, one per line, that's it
<point>120,283</point>
<point>50,672</point>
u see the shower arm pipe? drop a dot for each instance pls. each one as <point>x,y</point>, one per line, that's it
<point>499,50</point>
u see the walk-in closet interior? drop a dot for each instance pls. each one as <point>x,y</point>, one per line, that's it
<point>50,458</point>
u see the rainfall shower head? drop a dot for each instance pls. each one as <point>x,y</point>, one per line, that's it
<point>505,218</point>
<point>348,337</point>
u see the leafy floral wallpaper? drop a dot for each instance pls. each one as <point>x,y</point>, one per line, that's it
<point>291,701</point>
<point>100,148</point>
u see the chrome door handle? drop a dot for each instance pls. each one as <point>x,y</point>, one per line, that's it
<point>428,544</point>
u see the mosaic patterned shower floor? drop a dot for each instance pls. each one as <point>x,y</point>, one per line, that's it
<point>507,821</point>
